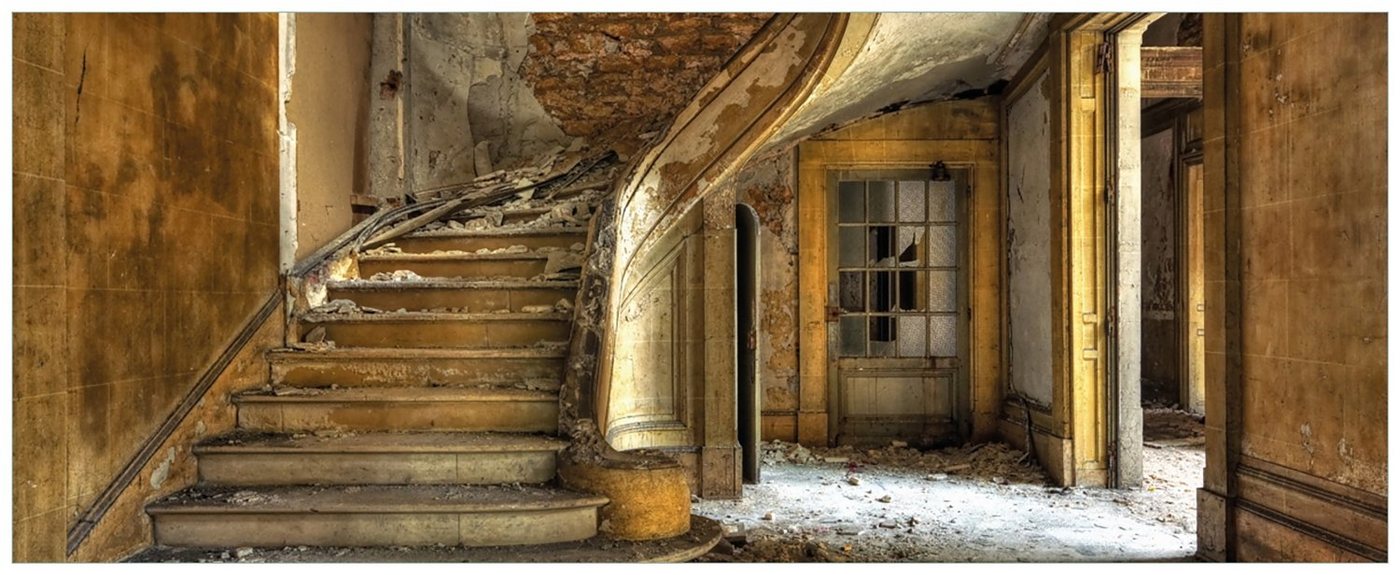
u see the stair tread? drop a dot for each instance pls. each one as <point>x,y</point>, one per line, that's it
<point>397,394</point>
<point>372,499</point>
<point>429,316</point>
<point>465,256</point>
<point>450,283</point>
<point>351,353</point>
<point>243,441</point>
<point>500,231</point>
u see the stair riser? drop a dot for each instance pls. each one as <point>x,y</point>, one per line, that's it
<point>521,268</point>
<point>254,469</point>
<point>538,373</point>
<point>504,416</point>
<point>429,244</point>
<point>446,334</point>
<point>375,529</point>
<point>474,299</point>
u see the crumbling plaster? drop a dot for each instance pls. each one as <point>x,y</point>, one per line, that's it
<point>767,184</point>
<point>467,95</point>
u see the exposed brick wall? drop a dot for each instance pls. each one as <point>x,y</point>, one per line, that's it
<point>601,75</point>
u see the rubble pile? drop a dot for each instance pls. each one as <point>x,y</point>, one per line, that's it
<point>343,306</point>
<point>1167,425</point>
<point>396,276</point>
<point>997,462</point>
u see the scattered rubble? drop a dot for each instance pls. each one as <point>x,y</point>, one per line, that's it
<point>396,276</point>
<point>952,505</point>
<point>984,460</point>
<point>343,306</point>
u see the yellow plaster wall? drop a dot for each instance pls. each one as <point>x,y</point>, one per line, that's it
<point>1295,236</point>
<point>145,234</point>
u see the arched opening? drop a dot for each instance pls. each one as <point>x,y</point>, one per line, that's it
<point>746,302</point>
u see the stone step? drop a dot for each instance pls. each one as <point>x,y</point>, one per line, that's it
<point>452,265</point>
<point>400,409</point>
<point>473,295</point>
<point>374,515</point>
<point>496,238</point>
<point>252,458</point>
<point>441,330</point>
<point>540,367</point>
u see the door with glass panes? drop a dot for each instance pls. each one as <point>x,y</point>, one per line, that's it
<point>899,308</point>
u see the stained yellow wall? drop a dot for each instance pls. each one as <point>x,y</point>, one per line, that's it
<point>1295,214</point>
<point>145,234</point>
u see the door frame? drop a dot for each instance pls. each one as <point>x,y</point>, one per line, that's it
<point>961,386</point>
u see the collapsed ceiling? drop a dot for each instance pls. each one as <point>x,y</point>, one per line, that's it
<point>888,61</point>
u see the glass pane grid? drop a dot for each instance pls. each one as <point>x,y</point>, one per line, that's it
<point>899,299</point>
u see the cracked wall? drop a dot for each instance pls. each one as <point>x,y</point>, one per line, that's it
<point>146,233</point>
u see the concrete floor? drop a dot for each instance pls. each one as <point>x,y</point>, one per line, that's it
<point>896,513</point>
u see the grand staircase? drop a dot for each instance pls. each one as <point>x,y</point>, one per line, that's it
<point>420,406</point>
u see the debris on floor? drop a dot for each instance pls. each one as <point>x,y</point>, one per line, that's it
<point>1164,426</point>
<point>396,276</point>
<point>981,460</point>
<point>972,503</point>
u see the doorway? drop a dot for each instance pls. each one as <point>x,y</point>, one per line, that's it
<point>901,314</point>
<point>746,344</point>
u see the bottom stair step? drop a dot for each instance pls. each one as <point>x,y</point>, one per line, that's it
<point>256,458</point>
<point>476,515</point>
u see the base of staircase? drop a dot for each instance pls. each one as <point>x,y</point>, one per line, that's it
<point>704,534</point>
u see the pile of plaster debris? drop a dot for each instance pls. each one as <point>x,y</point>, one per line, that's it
<point>996,462</point>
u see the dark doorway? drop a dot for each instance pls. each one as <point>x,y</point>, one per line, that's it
<point>745,296</point>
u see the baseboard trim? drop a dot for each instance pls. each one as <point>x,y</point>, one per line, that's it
<point>99,508</point>
<point>1320,509</point>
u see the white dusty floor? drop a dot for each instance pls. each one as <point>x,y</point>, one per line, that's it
<point>908,511</point>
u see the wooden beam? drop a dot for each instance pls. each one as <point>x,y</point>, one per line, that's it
<point>1171,72</point>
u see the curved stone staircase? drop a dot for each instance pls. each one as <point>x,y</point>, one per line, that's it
<point>421,407</point>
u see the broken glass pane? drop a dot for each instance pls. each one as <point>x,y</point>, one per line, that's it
<point>912,284</point>
<point>911,201</point>
<point>853,335</point>
<point>881,244</point>
<point>881,198</point>
<point>853,291</point>
<point>882,336</point>
<point>851,197</point>
<point>908,246</point>
<point>913,332</point>
<point>881,291</point>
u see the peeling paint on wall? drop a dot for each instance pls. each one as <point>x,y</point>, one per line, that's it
<point>1028,243</point>
<point>465,88</point>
